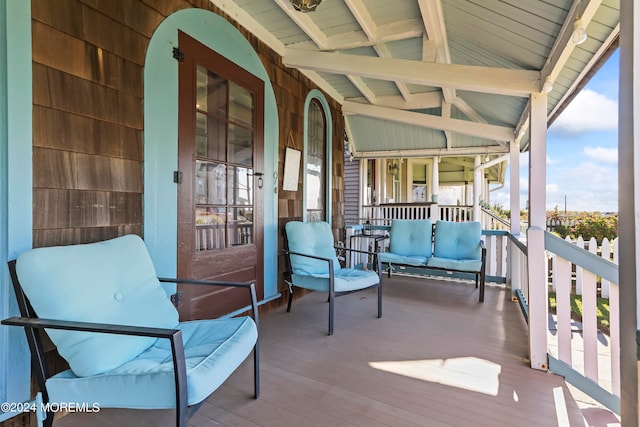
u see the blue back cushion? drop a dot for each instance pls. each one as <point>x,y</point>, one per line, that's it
<point>411,237</point>
<point>312,238</point>
<point>107,282</point>
<point>457,240</point>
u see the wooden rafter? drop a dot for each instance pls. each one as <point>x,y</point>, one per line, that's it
<point>481,79</point>
<point>482,130</point>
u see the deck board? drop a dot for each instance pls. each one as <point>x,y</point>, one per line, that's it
<point>311,379</point>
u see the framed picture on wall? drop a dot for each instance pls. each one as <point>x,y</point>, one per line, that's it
<point>291,169</point>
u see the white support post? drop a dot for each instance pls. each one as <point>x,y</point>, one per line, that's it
<point>381,175</point>
<point>514,187</point>
<point>535,237</point>
<point>628,207</point>
<point>364,191</point>
<point>435,185</point>
<point>514,206</point>
<point>477,186</point>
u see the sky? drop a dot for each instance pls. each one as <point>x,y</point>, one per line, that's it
<point>582,150</point>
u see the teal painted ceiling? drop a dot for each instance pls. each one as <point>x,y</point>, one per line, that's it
<point>380,53</point>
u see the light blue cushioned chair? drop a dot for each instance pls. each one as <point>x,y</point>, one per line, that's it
<point>458,246</point>
<point>142,357</point>
<point>313,264</point>
<point>409,243</point>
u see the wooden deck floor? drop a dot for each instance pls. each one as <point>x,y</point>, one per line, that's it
<point>437,357</point>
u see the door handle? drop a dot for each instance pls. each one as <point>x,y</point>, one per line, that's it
<point>260,180</point>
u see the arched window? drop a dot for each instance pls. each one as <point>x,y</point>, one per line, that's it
<point>316,163</point>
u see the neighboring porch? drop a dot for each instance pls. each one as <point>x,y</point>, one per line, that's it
<point>472,360</point>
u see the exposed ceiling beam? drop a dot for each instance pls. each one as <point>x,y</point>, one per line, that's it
<point>480,79</point>
<point>430,152</point>
<point>323,84</point>
<point>428,49</point>
<point>446,113</point>
<point>604,47</point>
<point>383,52</point>
<point>465,162</point>
<point>366,22</point>
<point>416,101</point>
<point>468,111</point>
<point>239,14</point>
<point>563,46</point>
<point>305,23</point>
<point>385,33</point>
<point>254,27</point>
<point>482,130</point>
<point>433,18</point>
<point>360,12</point>
<point>497,160</point>
<point>363,88</point>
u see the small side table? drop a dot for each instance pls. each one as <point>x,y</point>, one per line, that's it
<point>364,258</point>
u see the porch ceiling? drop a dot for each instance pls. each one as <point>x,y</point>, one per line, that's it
<point>436,77</point>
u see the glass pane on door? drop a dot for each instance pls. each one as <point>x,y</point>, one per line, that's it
<point>224,178</point>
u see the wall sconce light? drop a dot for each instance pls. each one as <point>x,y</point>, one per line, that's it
<point>305,5</point>
<point>579,34</point>
<point>393,169</point>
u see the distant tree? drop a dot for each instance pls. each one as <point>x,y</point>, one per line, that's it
<point>497,209</point>
<point>594,224</point>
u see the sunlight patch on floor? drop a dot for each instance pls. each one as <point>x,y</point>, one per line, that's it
<point>469,373</point>
<point>561,407</point>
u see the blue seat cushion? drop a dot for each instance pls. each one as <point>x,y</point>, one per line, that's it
<point>147,381</point>
<point>345,279</point>
<point>457,240</point>
<point>312,238</point>
<point>410,237</point>
<point>418,261</point>
<point>470,265</point>
<point>107,282</point>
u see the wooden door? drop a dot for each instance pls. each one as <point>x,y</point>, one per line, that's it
<point>220,164</point>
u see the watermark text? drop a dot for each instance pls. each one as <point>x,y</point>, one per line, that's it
<point>49,407</point>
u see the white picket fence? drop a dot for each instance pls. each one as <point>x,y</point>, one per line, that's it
<point>608,251</point>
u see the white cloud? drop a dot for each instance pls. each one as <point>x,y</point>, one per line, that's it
<point>602,154</point>
<point>588,187</point>
<point>589,111</point>
<point>552,189</point>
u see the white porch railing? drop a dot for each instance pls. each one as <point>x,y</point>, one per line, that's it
<point>491,221</point>
<point>585,354</point>
<point>384,214</point>
<point>587,357</point>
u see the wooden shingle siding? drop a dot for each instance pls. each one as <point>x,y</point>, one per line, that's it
<point>86,208</point>
<point>88,89</point>
<point>80,134</point>
<point>87,118</point>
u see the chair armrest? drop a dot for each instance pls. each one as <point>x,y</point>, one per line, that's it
<point>247,285</point>
<point>206,282</point>
<point>173,335</point>
<point>328,260</point>
<point>358,251</point>
<point>70,325</point>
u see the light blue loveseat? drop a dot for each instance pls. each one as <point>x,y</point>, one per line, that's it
<point>449,246</point>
